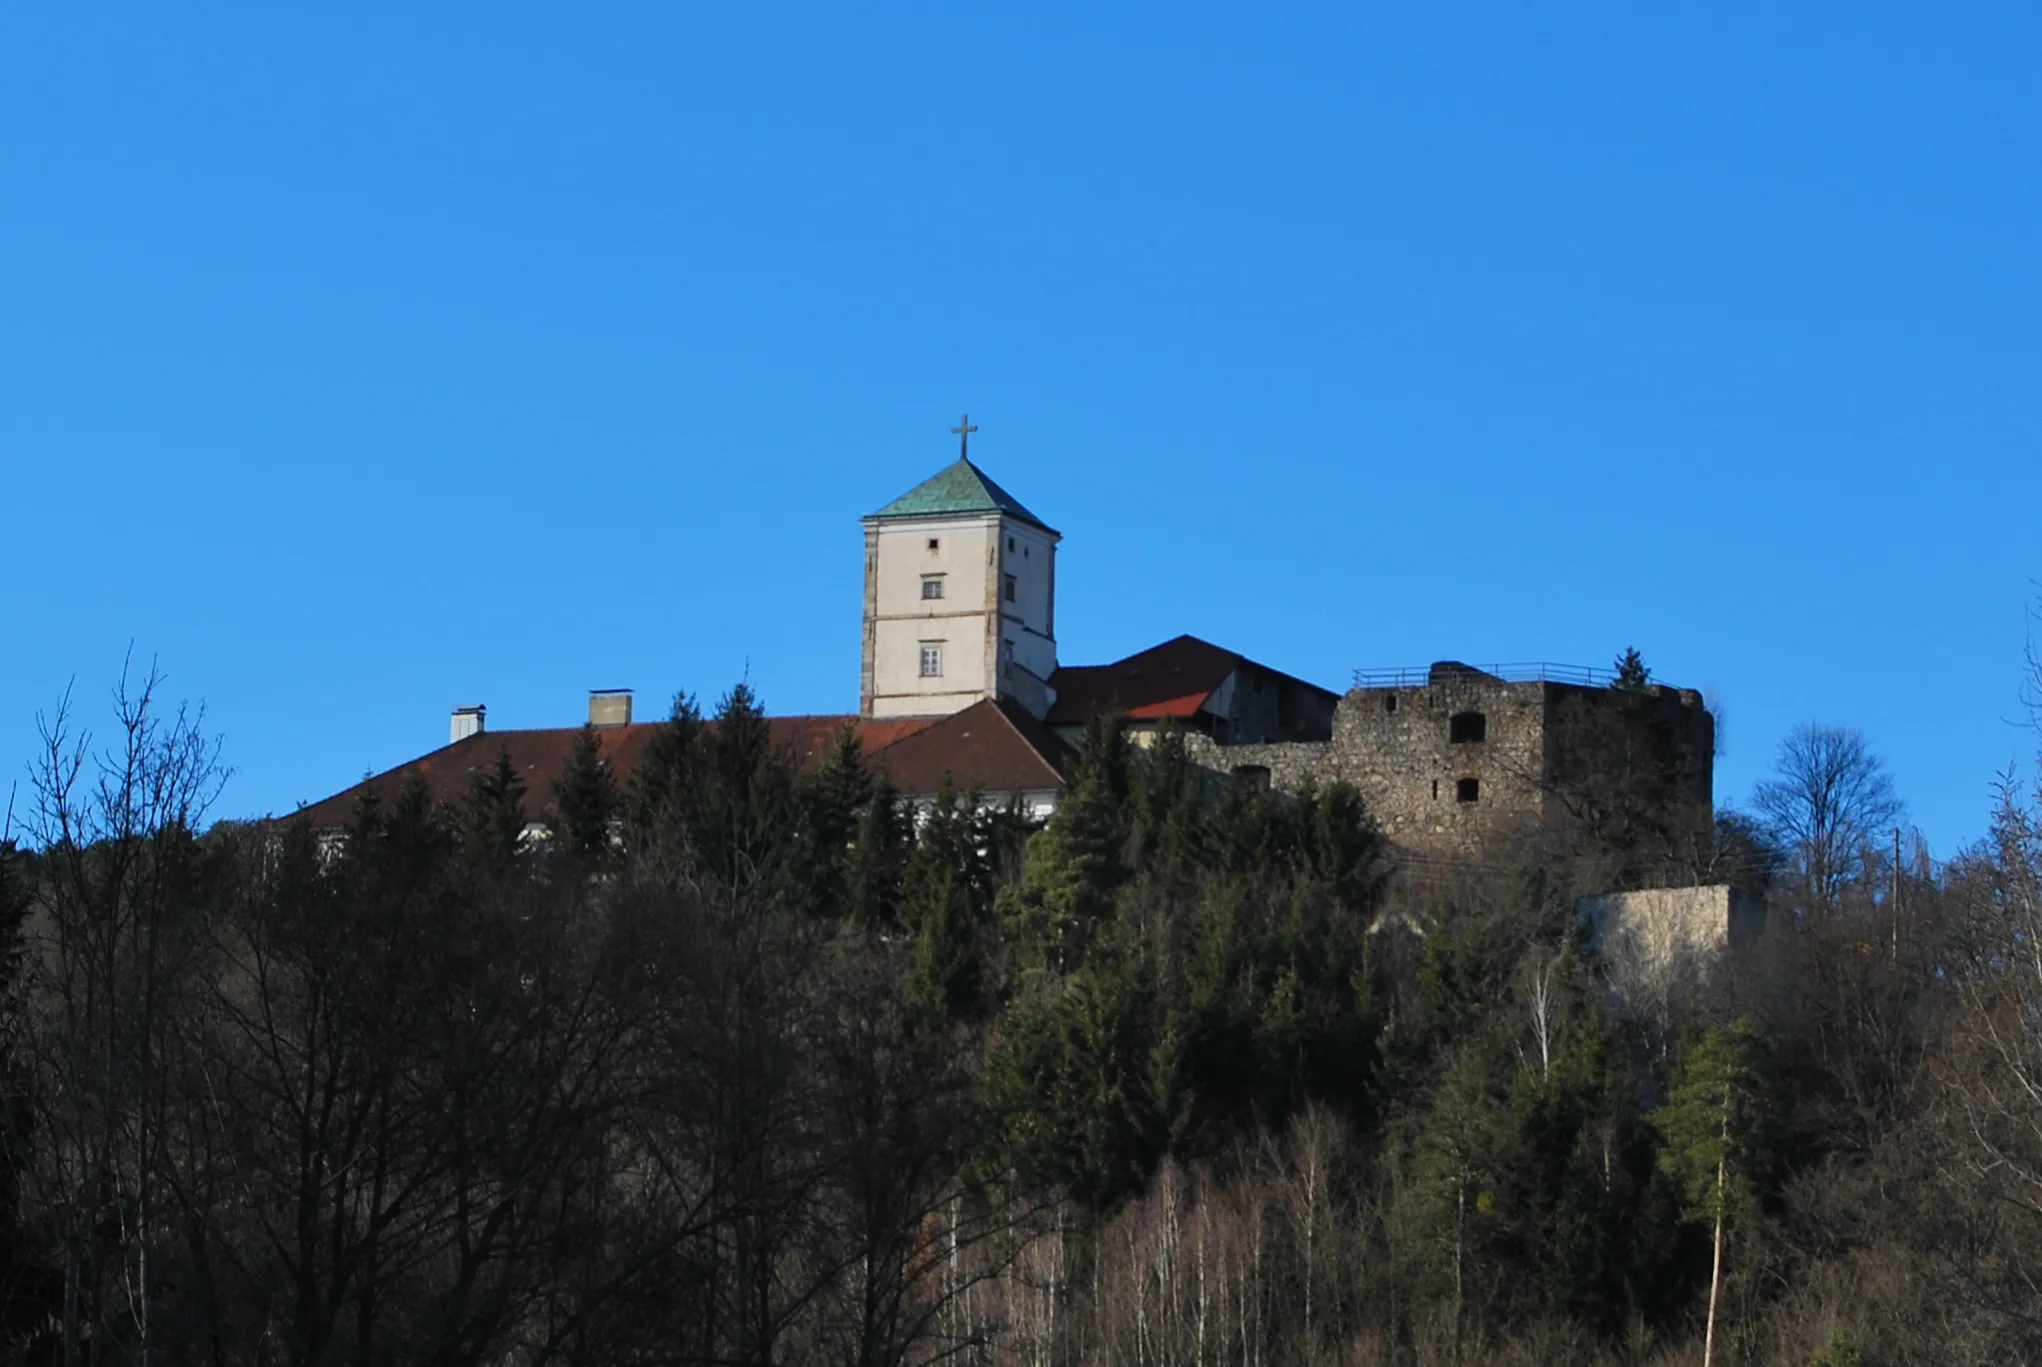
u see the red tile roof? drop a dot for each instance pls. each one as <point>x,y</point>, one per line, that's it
<point>989,747</point>
<point>986,747</point>
<point>540,755</point>
<point>1170,680</point>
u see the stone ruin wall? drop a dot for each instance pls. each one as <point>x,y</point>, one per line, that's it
<point>1396,746</point>
<point>1430,791</point>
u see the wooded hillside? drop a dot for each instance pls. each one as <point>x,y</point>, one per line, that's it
<point>749,1066</point>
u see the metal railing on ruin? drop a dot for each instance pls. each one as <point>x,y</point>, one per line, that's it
<point>1533,671</point>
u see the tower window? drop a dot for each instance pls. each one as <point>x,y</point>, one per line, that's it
<point>932,662</point>
<point>1008,590</point>
<point>1467,728</point>
<point>932,586</point>
<point>1010,543</point>
<point>935,543</point>
<point>1468,790</point>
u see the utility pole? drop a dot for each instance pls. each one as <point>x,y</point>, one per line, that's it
<point>1893,894</point>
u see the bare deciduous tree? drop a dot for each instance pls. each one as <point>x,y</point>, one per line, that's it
<point>109,957</point>
<point>1831,798</point>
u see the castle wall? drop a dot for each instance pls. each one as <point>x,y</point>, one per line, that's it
<point>1661,947</point>
<point>1433,783</point>
<point>1286,766</point>
<point>1470,761</point>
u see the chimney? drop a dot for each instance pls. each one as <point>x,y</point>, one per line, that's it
<point>467,722</point>
<point>609,707</point>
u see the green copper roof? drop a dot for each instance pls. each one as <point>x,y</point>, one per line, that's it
<point>960,490</point>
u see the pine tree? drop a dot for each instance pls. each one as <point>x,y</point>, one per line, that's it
<point>833,805</point>
<point>666,785</point>
<point>585,801</point>
<point>747,823</point>
<point>1168,800</point>
<point>1342,849</point>
<point>1713,1123</point>
<point>492,819</point>
<point>877,860</point>
<point>1632,675</point>
<point>943,904</point>
<point>1075,862</point>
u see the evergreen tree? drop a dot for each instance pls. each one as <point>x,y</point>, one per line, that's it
<point>667,784</point>
<point>877,861</point>
<point>1167,792</point>
<point>1075,863</point>
<point>1342,849</point>
<point>747,826</point>
<point>833,805</point>
<point>585,801</point>
<point>1632,674</point>
<point>944,900</point>
<point>1714,1125</point>
<point>492,818</point>
<point>1070,1085</point>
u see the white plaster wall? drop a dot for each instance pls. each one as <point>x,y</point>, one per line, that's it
<point>904,621</point>
<point>972,622</point>
<point>1029,622</point>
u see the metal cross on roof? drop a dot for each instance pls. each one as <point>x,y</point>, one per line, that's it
<point>963,432</point>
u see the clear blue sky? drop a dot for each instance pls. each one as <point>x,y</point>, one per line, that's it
<point>360,364</point>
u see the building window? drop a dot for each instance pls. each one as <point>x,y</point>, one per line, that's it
<point>1008,590</point>
<point>1010,544</point>
<point>932,586</point>
<point>1468,790</point>
<point>1467,728</point>
<point>935,544</point>
<point>932,662</point>
<point>1389,702</point>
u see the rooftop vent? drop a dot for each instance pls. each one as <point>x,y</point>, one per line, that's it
<point>609,707</point>
<point>467,722</point>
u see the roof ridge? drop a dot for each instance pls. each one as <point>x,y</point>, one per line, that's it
<point>959,489</point>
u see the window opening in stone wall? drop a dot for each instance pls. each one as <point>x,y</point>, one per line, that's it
<point>1009,590</point>
<point>1435,790</point>
<point>1252,778</point>
<point>932,662</point>
<point>932,586</point>
<point>1467,728</point>
<point>1390,703</point>
<point>1468,790</point>
<point>935,543</point>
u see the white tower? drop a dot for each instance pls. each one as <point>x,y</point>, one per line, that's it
<point>960,598</point>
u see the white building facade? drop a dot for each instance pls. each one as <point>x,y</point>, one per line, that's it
<point>960,600</point>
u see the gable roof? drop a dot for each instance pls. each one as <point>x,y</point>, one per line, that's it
<point>989,747</point>
<point>539,756</point>
<point>1170,680</point>
<point>958,490</point>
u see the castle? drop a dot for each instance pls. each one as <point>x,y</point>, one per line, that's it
<point>960,683</point>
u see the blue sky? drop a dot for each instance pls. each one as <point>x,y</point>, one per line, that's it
<point>359,364</point>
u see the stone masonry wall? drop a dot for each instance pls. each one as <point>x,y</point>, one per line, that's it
<point>1288,767</point>
<point>1429,790</point>
<point>1518,760</point>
